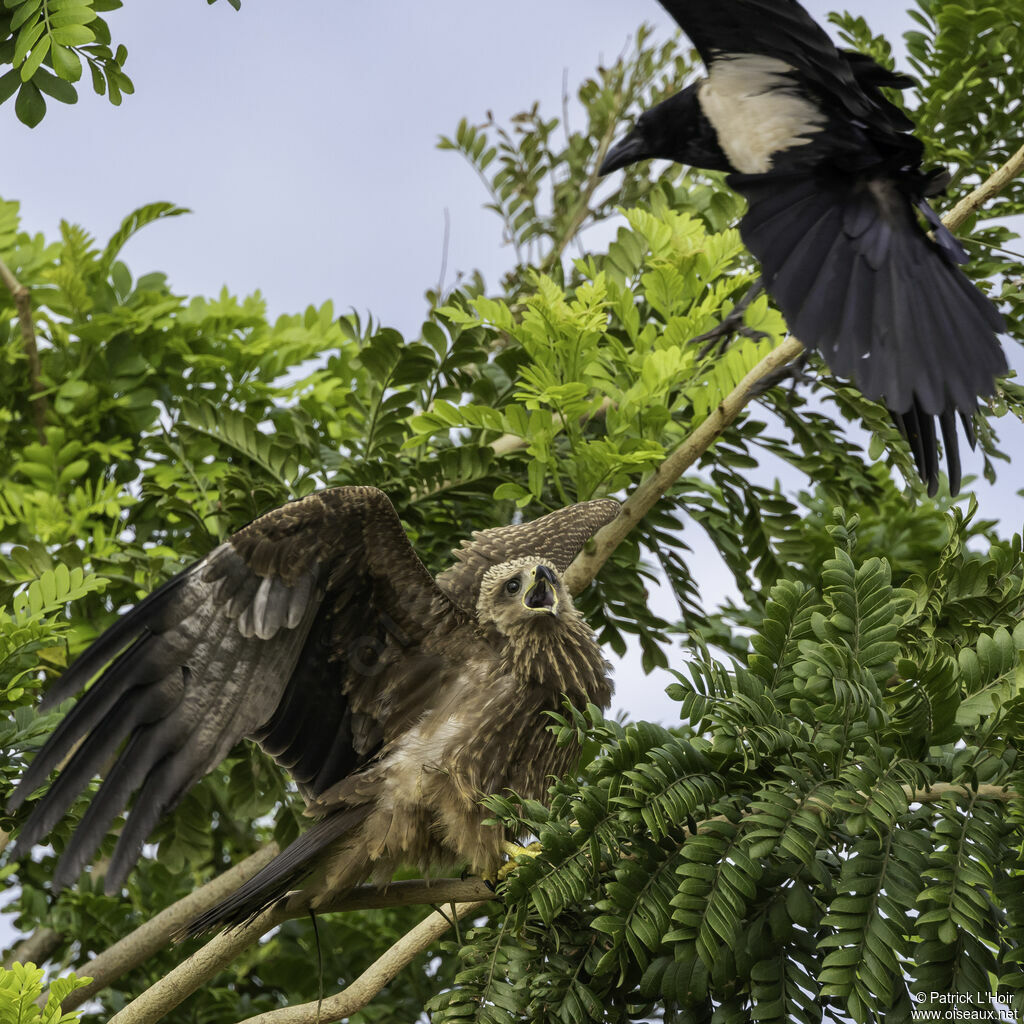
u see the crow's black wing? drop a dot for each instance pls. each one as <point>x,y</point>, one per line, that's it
<point>858,279</point>
<point>780,29</point>
<point>275,635</point>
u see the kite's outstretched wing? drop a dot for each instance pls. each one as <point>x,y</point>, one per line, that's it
<point>275,635</point>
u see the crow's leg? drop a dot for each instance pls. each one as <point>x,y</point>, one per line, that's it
<point>793,372</point>
<point>718,338</point>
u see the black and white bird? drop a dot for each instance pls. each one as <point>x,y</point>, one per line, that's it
<point>857,261</point>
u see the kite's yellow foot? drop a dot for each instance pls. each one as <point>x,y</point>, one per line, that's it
<point>513,850</point>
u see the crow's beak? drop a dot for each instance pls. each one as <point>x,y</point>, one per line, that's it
<point>542,593</point>
<point>625,152</point>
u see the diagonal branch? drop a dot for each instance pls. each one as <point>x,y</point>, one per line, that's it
<point>991,186</point>
<point>355,996</point>
<point>23,305</point>
<point>647,494</point>
<point>588,563</point>
<point>192,974</point>
<point>137,946</point>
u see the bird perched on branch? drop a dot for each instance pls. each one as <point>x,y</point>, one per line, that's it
<point>859,264</point>
<point>394,699</point>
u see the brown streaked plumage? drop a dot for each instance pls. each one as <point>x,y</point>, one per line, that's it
<point>395,701</point>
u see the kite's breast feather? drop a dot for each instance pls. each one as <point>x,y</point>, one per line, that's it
<point>487,731</point>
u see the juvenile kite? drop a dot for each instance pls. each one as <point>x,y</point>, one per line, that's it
<point>394,700</point>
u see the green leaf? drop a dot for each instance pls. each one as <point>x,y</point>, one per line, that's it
<point>25,10</point>
<point>56,87</point>
<point>27,38</point>
<point>30,105</point>
<point>35,58</point>
<point>73,35</point>
<point>9,84</point>
<point>77,14</point>
<point>66,63</point>
<point>99,83</point>
<point>134,222</point>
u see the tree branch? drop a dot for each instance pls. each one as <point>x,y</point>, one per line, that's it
<point>646,495</point>
<point>355,996</point>
<point>23,305</point>
<point>137,946</point>
<point>991,186</point>
<point>939,790</point>
<point>407,893</point>
<point>37,948</point>
<point>192,974</point>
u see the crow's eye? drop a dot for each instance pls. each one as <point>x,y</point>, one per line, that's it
<point>512,587</point>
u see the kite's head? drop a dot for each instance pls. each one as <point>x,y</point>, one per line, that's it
<point>522,592</point>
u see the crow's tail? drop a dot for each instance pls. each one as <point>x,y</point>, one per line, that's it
<point>858,278</point>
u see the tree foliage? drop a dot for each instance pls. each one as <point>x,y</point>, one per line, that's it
<point>829,829</point>
<point>21,992</point>
<point>49,43</point>
<point>828,832</point>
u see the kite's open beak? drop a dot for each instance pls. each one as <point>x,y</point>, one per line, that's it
<point>542,593</point>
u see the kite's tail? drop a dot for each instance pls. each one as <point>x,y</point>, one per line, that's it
<point>281,875</point>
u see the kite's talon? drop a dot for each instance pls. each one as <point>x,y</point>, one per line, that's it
<point>514,850</point>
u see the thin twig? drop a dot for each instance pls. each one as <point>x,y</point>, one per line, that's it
<point>582,210</point>
<point>444,253</point>
<point>23,304</point>
<point>355,996</point>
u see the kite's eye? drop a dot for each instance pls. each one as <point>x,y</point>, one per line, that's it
<point>512,587</point>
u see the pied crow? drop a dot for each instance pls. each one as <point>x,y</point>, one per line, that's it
<point>857,261</point>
